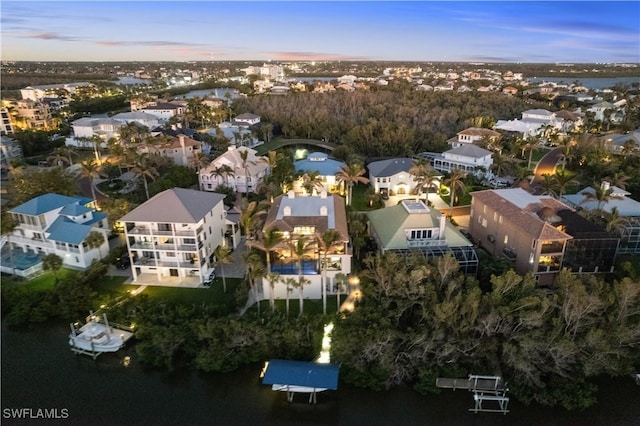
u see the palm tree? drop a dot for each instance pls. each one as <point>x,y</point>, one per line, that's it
<point>423,175</point>
<point>616,223</point>
<point>290,284</point>
<point>97,145</point>
<point>251,212</point>
<point>311,181</point>
<point>629,148</point>
<point>95,240</point>
<point>255,270</point>
<point>300,250</point>
<point>502,164</point>
<point>351,175</point>
<point>455,181</point>
<point>58,157</point>
<point>143,169</point>
<point>340,279</point>
<point>244,156</point>
<point>268,241</point>
<point>599,194</point>
<point>223,172</point>
<point>328,242</point>
<point>562,180</point>
<point>223,255</point>
<point>531,143</point>
<point>619,179</point>
<point>90,169</point>
<point>199,161</point>
<point>548,185</point>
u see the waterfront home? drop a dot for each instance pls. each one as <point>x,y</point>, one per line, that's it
<point>413,227</point>
<point>533,122</point>
<point>171,238</point>
<point>230,169</point>
<point>298,218</point>
<point>140,117</point>
<point>539,234</point>
<point>57,224</point>
<point>164,111</point>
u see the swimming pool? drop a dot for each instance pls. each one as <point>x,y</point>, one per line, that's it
<point>21,260</point>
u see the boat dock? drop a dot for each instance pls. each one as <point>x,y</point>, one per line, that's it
<point>115,336</point>
<point>484,388</point>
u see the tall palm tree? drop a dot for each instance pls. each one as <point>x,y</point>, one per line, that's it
<point>255,270</point>
<point>618,179</point>
<point>268,241</point>
<point>328,242</point>
<point>301,250</point>
<point>290,284</point>
<point>340,280</point>
<point>223,255</point>
<point>351,175</point>
<point>548,185</point>
<point>244,157</point>
<point>249,218</point>
<point>599,194</point>
<point>629,148</point>
<point>90,169</point>
<point>531,144</point>
<point>455,181</point>
<point>616,223</point>
<point>502,164</point>
<point>143,169</point>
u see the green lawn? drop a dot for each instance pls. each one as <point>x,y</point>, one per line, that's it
<point>359,200</point>
<point>213,295</point>
<point>44,281</point>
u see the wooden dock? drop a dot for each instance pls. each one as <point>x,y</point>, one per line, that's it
<point>484,388</point>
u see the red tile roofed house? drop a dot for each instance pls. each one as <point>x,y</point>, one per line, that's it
<point>539,234</point>
<point>299,216</point>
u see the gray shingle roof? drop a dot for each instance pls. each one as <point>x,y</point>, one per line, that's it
<point>177,205</point>
<point>386,168</point>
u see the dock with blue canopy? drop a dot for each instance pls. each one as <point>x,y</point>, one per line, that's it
<point>300,377</point>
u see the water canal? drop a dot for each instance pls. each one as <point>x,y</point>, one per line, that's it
<point>39,371</point>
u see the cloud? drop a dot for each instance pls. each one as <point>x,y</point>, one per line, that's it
<point>313,56</point>
<point>144,43</point>
<point>48,35</point>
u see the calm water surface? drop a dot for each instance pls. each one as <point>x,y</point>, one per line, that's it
<point>39,371</point>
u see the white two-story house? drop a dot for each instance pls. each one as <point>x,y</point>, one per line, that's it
<point>56,224</point>
<point>231,170</point>
<point>327,168</point>
<point>391,176</point>
<point>467,158</point>
<point>473,135</point>
<point>171,237</point>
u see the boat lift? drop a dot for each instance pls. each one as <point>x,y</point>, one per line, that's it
<point>484,388</point>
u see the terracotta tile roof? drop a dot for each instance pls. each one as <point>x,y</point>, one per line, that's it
<point>525,218</point>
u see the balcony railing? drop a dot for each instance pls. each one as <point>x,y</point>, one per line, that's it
<point>509,253</point>
<point>426,243</point>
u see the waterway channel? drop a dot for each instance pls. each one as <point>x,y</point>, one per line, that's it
<point>40,372</point>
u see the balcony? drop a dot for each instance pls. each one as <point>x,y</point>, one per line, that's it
<point>552,247</point>
<point>509,253</point>
<point>426,243</point>
<point>139,230</point>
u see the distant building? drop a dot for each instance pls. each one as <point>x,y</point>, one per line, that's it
<point>473,135</point>
<point>6,128</point>
<point>36,93</point>
<point>244,175</point>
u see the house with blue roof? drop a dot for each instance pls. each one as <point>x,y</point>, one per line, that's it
<point>325,167</point>
<point>59,224</point>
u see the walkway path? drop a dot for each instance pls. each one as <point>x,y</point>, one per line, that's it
<point>547,165</point>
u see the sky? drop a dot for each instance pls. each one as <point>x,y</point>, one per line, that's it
<point>495,31</point>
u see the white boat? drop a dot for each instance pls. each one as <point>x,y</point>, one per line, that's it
<point>96,337</point>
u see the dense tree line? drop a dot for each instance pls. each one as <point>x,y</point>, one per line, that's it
<point>420,320</point>
<point>382,122</point>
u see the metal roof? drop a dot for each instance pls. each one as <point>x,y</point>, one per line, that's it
<point>47,202</point>
<point>301,373</point>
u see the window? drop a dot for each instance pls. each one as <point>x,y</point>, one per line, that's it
<point>304,230</point>
<point>495,216</point>
<point>506,239</point>
<point>500,219</point>
<point>170,254</point>
<point>484,223</point>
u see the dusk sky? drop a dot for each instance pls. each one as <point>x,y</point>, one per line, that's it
<point>497,31</point>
